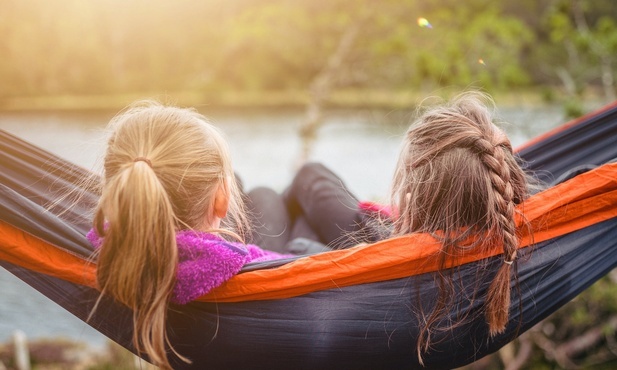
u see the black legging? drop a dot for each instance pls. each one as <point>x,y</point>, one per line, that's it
<point>317,206</point>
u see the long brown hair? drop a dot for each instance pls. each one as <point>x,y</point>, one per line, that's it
<point>162,167</point>
<point>458,179</point>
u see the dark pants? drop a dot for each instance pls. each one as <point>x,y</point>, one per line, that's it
<point>317,206</point>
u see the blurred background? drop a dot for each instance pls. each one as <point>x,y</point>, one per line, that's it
<point>335,81</point>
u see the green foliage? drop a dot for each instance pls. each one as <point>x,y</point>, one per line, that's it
<point>159,46</point>
<point>581,45</point>
<point>573,108</point>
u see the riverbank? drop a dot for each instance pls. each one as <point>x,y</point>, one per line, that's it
<point>60,353</point>
<point>297,99</point>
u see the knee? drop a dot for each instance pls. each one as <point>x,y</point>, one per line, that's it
<point>311,170</point>
<point>312,166</point>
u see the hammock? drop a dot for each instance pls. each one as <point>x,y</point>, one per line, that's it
<point>354,308</point>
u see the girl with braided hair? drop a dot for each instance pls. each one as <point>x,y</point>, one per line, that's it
<point>458,179</point>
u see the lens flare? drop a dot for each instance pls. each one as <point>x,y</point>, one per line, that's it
<point>423,22</point>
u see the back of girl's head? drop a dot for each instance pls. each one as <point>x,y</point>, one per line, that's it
<point>458,179</point>
<point>456,169</point>
<point>162,168</point>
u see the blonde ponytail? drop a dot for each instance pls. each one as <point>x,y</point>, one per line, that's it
<point>162,167</point>
<point>139,246</point>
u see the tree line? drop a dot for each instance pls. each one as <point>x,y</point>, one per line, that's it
<point>119,46</point>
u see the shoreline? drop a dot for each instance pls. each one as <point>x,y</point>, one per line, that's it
<point>273,100</point>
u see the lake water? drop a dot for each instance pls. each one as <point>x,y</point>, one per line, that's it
<point>360,146</point>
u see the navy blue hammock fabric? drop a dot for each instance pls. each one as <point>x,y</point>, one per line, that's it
<point>364,325</point>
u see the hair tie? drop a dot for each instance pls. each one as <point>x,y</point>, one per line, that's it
<point>143,159</point>
<point>508,262</point>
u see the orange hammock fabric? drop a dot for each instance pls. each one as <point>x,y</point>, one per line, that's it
<point>580,202</point>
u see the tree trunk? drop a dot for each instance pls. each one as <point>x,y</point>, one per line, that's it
<point>320,90</point>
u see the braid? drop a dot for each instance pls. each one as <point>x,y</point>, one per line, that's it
<point>502,229</point>
<point>457,177</point>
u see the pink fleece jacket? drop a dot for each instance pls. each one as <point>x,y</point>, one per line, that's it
<point>205,261</point>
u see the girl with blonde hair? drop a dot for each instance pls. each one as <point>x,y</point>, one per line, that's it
<point>167,184</point>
